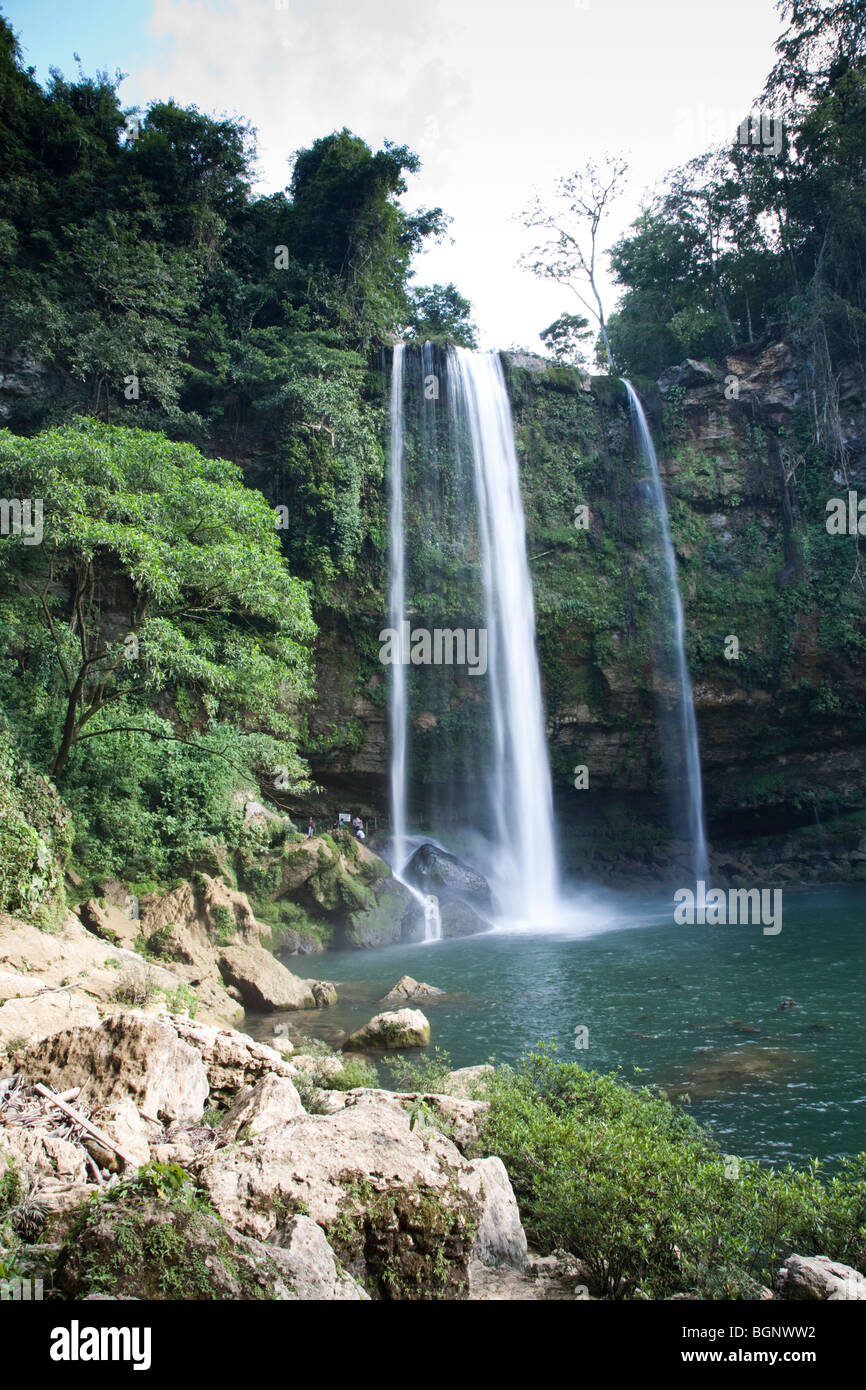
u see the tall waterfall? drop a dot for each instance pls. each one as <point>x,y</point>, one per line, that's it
<point>685,705</point>
<point>520,786</point>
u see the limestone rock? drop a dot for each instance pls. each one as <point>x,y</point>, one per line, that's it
<point>392,1031</point>
<point>818,1278</point>
<point>205,1258</point>
<point>466,1081</point>
<point>38,1017</point>
<point>231,1060</point>
<point>409,1227</point>
<point>270,1104</point>
<point>501,1239</point>
<point>324,993</point>
<point>127,1056</point>
<point>406,988</point>
<point>311,1263</point>
<point>264,982</point>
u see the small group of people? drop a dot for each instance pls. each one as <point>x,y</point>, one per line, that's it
<point>337,827</point>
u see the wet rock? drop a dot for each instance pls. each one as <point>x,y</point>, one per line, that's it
<point>324,993</point>
<point>393,915</point>
<point>459,919</point>
<point>392,1031</point>
<point>448,878</point>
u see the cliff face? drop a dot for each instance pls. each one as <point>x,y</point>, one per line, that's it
<point>774,610</point>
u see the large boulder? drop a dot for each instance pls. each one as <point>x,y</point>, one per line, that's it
<point>434,871</point>
<point>687,374</point>
<point>232,1060</point>
<point>393,914</point>
<point>501,1239</point>
<point>817,1278</point>
<point>129,1056</point>
<point>35,1017</point>
<point>263,982</point>
<point>398,1202</point>
<point>392,1031</point>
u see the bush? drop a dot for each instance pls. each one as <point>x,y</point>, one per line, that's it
<point>34,842</point>
<point>641,1195</point>
<point>423,1073</point>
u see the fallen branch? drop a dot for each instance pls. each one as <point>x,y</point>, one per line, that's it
<point>79,1119</point>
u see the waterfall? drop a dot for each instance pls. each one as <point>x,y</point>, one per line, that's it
<point>520,786</point>
<point>685,705</point>
<point>397,705</point>
<point>398,708</point>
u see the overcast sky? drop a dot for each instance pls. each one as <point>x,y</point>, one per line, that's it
<point>497,97</point>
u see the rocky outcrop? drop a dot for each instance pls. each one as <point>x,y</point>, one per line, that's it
<point>149,1250</point>
<point>262,981</point>
<point>232,1061</point>
<point>501,1239</point>
<point>399,1203</point>
<point>816,1278</point>
<point>308,1257</point>
<point>128,1057</point>
<point>392,1031</point>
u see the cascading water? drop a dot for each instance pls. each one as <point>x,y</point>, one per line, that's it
<point>685,704</point>
<point>520,786</point>
<point>398,710</point>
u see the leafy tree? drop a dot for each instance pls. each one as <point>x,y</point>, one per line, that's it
<point>158,580</point>
<point>564,338</point>
<point>440,313</point>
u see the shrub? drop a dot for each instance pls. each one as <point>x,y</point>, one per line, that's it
<point>426,1072</point>
<point>641,1194</point>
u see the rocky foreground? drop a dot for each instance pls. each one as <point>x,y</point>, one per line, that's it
<point>145,1153</point>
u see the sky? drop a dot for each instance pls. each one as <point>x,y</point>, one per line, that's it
<point>498,97</point>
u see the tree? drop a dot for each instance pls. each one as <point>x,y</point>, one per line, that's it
<point>568,252</point>
<point>565,336</point>
<point>440,312</point>
<point>158,579</point>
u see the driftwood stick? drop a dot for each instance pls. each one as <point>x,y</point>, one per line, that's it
<point>85,1124</point>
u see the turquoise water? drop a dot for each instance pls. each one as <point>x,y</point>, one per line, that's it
<point>696,1008</point>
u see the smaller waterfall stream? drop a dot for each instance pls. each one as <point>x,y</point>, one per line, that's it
<point>398,707</point>
<point>685,705</point>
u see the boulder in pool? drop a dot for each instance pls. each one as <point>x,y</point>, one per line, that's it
<point>433,870</point>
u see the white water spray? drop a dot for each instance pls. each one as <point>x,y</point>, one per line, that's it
<point>522,802</point>
<point>686,704</point>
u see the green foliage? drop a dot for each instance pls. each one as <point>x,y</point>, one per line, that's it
<point>34,841</point>
<point>357,1071</point>
<point>642,1196</point>
<point>441,314</point>
<point>426,1072</point>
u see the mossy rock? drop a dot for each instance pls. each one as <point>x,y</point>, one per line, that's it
<point>389,918</point>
